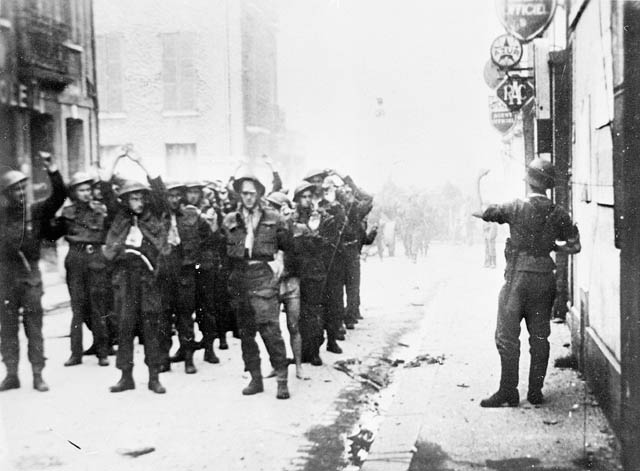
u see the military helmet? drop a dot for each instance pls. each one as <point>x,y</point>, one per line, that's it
<point>316,172</point>
<point>175,186</point>
<point>541,173</point>
<point>246,174</point>
<point>194,184</point>
<point>10,178</point>
<point>331,181</point>
<point>302,187</point>
<point>278,199</point>
<point>79,178</point>
<point>131,186</point>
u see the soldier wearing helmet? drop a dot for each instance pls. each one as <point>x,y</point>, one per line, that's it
<point>310,246</point>
<point>188,236</point>
<point>538,227</point>
<point>135,243</point>
<point>256,236</point>
<point>22,227</point>
<point>84,224</point>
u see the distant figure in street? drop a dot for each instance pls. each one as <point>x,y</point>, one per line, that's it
<point>538,227</point>
<point>22,228</point>
<point>490,232</point>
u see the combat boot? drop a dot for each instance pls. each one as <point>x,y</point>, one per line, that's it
<point>283,390</point>
<point>535,397</point>
<point>38,383</point>
<point>103,361</point>
<point>316,360</point>
<point>178,357</point>
<point>210,355</point>
<point>11,381</point>
<point>502,397</point>
<point>73,361</point>
<point>223,342</point>
<point>189,367</point>
<point>333,347</point>
<point>255,386</point>
<point>126,382</point>
<point>154,382</point>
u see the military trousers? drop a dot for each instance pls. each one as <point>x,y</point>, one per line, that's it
<point>528,296</point>
<point>138,292</point>
<point>89,291</point>
<point>178,303</point>
<point>334,296</point>
<point>21,297</point>
<point>254,296</point>
<point>352,282</point>
<point>207,313</point>
<point>312,312</point>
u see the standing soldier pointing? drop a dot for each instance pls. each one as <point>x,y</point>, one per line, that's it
<point>538,227</point>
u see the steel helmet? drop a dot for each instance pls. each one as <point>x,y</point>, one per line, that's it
<point>131,186</point>
<point>316,172</point>
<point>302,187</point>
<point>79,178</point>
<point>194,184</point>
<point>278,198</point>
<point>330,181</point>
<point>246,174</point>
<point>175,186</point>
<point>10,178</point>
<point>541,173</point>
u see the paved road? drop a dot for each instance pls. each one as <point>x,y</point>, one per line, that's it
<point>203,422</point>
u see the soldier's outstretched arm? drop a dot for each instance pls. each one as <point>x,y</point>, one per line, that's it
<point>47,209</point>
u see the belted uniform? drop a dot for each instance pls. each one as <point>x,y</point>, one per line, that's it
<point>135,277</point>
<point>253,239</point>
<point>22,228</point>
<point>85,227</point>
<point>536,223</point>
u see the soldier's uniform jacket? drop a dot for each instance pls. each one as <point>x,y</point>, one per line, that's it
<point>333,223</point>
<point>270,236</point>
<point>21,232</point>
<point>150,223</point>
<point>536,223</point>
<point>85,222</point>
<point>308,246</point>
<point>195,232</point>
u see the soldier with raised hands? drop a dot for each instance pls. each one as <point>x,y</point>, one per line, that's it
<point>22,228</point>
<point>135,243</point>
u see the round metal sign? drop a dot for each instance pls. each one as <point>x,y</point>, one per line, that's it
<point>493,76</point>
<point>506,51</point>
<point>526,19</point>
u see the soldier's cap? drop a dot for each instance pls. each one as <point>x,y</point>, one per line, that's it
<point>132,186</point>
<point>316,172</point>
<point>278,199</point>
<point>301,188</point>
<point>10,178</point>
<point>541,173</point>
<point>79,178</point>
<point>246,174</point>
<point>175,186</point>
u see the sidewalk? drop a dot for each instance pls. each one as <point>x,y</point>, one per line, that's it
<point>435,423</point>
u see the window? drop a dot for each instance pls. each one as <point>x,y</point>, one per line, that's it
<point>109,61</point>
<point>181,161</point>
<point>178,72</point>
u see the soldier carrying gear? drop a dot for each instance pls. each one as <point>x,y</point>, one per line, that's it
<point>84,224</point>
<point>255,236</point>
<point>135,243</point>
<point>22,227</point>
<point>538,227</point>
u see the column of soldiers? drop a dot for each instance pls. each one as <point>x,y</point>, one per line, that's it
<point>147,259</point>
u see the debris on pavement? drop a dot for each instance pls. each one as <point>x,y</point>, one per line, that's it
<point>550,422</point>
<point>137,452</point>
<point>462,385</point>
<point>400,344</point>
<point>425,359</point>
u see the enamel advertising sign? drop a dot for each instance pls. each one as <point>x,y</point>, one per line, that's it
<point>525,19</point>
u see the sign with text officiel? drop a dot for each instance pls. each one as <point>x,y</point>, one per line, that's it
<point>525,19</point>
<point>515,92</point>
<point>502,118</point>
